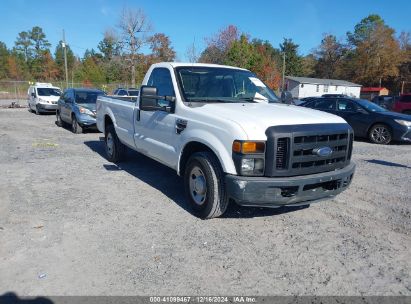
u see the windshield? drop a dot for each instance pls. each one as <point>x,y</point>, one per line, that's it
<point>370,106</point>
<point>48,92</point>
<point>209,84</point>
<point>87,97</point>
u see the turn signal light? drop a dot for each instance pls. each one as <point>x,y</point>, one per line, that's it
<point>248,147</point>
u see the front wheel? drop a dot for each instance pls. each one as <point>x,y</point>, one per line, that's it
<point>204,185</point>
<point>59,122</point>
<point>380,134</point>
<point>75,127</point>
<point>115,150</point>
<point>37,110</point>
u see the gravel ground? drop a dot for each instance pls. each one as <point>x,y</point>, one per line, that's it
<point>72,223</point>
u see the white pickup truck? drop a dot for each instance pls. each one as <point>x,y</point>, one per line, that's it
<point>230,137</point>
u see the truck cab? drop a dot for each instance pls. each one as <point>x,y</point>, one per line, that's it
<point>230,137</point>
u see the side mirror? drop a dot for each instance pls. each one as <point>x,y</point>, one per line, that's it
<point>149,100</point>
<point>33,94</point>
<point>286,97</point>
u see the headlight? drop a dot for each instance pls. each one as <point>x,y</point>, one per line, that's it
<point>85,111</point>
<point>405,123</point>
<point>252,166</point>
<point>43,101</point>
<point>249,157</point>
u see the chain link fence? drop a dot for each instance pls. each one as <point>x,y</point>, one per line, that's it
<point>15,92</point>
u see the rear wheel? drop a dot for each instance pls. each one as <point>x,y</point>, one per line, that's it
<point>75,127</point>
<point>204,185</point>
<point>380,134</point>
<point>115,150</point>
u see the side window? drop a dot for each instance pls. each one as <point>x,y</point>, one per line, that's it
<point>325,104</point>
<point>70,96</point>
<point>346,105</point>
<point>161,79</point>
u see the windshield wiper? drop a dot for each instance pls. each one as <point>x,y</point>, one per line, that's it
<point>256,98</point>
<point>211,100</point>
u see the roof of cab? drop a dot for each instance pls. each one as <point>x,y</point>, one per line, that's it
<point>190,64</point>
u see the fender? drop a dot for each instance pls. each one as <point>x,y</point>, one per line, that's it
<point>208,139</point>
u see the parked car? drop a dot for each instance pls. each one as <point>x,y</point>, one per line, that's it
<point>367,119</point>
<point>126,92</point>
<point>77,107</point>
<point>43,97</point>
<point>207,122</point>
<point>385,101</point>
<point>403,104</point>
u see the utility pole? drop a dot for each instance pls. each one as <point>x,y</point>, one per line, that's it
<point>65,57</point>
<point>283,82</point>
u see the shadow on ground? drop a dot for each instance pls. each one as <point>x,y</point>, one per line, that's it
<point>386,163</point>
<point>165,180</point>
<point>12,298</point>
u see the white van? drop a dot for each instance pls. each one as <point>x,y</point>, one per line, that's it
<point>43,97</point>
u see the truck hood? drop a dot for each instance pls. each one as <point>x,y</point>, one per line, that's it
<point>255,118</point>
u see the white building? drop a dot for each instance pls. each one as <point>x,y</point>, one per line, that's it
<point>311,87</point>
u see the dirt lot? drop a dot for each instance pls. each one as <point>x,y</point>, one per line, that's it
<point>72,223</point>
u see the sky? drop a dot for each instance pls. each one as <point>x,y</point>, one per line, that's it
<point>187,22</point>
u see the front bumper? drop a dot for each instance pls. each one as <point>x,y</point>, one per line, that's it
<point>47,107</point>
<point>86,121</point>
<point>283,191</point>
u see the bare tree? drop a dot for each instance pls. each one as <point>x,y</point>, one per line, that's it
<point>133,25</point>
<point>191,53</point>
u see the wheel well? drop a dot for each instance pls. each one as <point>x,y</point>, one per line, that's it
<point>107,121</point>
<point>189,149</point>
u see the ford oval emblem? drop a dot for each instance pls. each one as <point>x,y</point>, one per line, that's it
<point>323,151</point>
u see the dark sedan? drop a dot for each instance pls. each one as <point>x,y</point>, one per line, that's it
<point>77,107</point>
<point>367,119</point>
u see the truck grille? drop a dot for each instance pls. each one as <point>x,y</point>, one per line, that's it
<point>293,150</point>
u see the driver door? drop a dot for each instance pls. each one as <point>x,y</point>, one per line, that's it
<point>155,132</point>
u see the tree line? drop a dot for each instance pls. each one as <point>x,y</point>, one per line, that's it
<point>371,55</point>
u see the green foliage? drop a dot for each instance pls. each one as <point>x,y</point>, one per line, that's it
<point>242,54</point>
<point>293,61</point>
<point>364,28</point>
<point>4,55</point>
<point>90,71</point>
<point>23,45</point>
<point>59,59</point>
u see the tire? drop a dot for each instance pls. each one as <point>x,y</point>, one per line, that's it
<point>37,110</point>
<point>204,185</point>
<point>59,122</point>
<point>115,150</point>
<point>380,134</point>
<point>75,127</point>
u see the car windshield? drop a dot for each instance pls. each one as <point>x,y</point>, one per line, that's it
<point>48,92</point>
<point>370,106</point>
<point>210,84</point>
<point>87,97</point>
<point>133,92</point>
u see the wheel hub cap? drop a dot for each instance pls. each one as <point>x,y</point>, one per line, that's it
<point>198,185</point>
<point>380,134</point>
